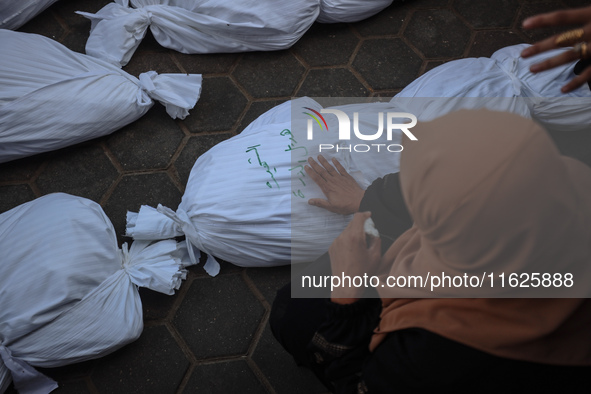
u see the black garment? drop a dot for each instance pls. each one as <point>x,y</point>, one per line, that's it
<point>332,340</point>
<point>581,66</point>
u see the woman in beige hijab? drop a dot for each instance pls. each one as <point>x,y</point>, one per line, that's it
<point>489,195</point>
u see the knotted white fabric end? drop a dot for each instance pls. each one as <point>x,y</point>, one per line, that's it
<point>155,265</point>
<point>116,31</point>
<point>177,92</point>
<point>212,267</point>
<point>27,379</point>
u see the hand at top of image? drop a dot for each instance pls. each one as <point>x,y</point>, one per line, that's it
<point>579,39</point>
<point>343,194</point>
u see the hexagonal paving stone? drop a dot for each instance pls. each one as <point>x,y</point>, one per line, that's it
<point>14,195</point>
<point>73,387</point>
<point>21,169</point>
<point>133,191</point>
<point>486,13</point>
<point>255,110</point>
<point>269,74</point>
<point>332,82</point>
<point>149,44</point>
<point>147,143</point>
<point>488,42</point>
<point>155,305</point>
<point>387,22</point>
<point>430,3</point>
<point>387,63</point>
<point>153,364</point>
<point>83,171</point>
<point>44,24</point>
<point>219,107</point>
<point>196,146</point>
<point>437,33</point>
<point>143,61</point>
<point>431,65</point>
<point>385,95</point>
<point>70,387</point>
<point>214,63</point>
<point>269,279</point>
<point>225,267</point>
<point>69,372</point>
<point>281,370</point>
<point>223,378</point>
<point>327,44</point>
<point>78,26</point>
<point>534,8</point>
<point>218,316</point>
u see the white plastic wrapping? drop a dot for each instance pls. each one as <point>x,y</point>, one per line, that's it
<point>193,26</point>
<point>334,11</point>
<point>15,13</point>
<point>504,75</point>
<point>69,293</point>
<point>51,97</point>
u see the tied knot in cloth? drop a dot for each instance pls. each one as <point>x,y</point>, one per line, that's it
<point>116,31</point>
<point>125,258</point>
<point>138,22</point>
<point>155,265</point>
<point>147,88</point>
<point>510,69</point>
<point>182,219</point>
<point>27,379</point>
<point>177,92</point>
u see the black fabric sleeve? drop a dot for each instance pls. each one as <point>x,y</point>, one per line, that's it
<point>383,198</point>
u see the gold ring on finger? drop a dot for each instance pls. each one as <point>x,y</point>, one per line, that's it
<point>582,50</point>
<point>569,38</point>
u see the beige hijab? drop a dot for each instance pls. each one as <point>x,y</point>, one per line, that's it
<point>489,192</point>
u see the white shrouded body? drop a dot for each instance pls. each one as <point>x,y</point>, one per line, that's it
<point>69,293</point>
<point>190,26</point>
<point>15,13</point>
<point>52,97</point>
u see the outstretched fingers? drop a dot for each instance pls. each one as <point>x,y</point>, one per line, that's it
<point>578,81</point>
<point>558,60</point>
<point>558,18</point>
<point>316,172</point>
<point>337,164</point>
<point>330,169</point>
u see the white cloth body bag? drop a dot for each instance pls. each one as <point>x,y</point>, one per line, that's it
<point>51,97</point>
<point>504,75</point>
<point>68,293</point>
<point>198,26</point>
<point>347,11</point>
<point>15,13</point>
<point>246,199</point>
